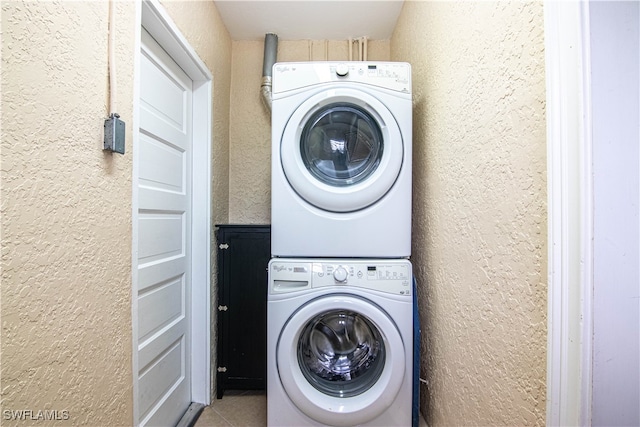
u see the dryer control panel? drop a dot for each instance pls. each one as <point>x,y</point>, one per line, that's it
<point>390,276</point>
<point>395,76</point>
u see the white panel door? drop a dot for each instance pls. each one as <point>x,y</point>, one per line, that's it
<point>164,241</point>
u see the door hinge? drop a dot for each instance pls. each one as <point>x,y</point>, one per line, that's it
<point>222,369</point>
<point>223,246</point>
<point>223,308</point>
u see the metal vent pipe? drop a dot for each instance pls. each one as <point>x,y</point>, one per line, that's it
<point>270,54</point>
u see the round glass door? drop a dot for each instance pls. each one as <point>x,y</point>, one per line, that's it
<point>341,150</point>
<point>341,360</point>
<point>341,353</point>
<point>341,144</point>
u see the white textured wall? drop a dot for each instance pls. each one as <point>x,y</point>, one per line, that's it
<point>250,120</point>
<point>66,206</point>
<point>479,209</point>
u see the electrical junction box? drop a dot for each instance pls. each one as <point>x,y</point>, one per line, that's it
<point>114,134</point>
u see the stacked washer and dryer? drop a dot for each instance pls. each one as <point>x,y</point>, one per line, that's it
<point>340,312</point>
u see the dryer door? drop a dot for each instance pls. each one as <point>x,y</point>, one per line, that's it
<point>342,150</point>
<point>341,360</point>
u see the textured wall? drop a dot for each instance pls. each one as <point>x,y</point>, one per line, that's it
<point>250,120</point>
<point>479,217</point>
<point>66,214</point>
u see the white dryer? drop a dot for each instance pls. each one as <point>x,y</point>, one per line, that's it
<point>339,342</point>
<point>341,160</point>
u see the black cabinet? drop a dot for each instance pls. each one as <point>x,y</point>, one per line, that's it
<point>244,252</point>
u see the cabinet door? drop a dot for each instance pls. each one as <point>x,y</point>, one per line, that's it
<point>242,339</point>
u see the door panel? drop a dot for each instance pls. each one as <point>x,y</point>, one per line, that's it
<point>164,170</point>
<point>162,236</point>
<point>163,224</point>
<point>160,306</point>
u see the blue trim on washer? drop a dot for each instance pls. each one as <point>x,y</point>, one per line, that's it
<point>415,416</point>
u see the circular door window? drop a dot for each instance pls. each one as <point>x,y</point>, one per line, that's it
<point>341,144</point>
<point>341,360</point>
<point>341,150</point>
<point>341,353</point>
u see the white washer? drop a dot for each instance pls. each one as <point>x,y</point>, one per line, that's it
<point>341,160</point>
<point>339,342</point>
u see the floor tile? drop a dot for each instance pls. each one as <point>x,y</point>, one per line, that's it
<point>244,408</point>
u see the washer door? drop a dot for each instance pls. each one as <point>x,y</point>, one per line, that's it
<point>341,150</point>
<point>341,360</point>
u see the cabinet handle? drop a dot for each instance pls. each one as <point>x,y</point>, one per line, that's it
<point>223,308</point>
<point>223,246</point>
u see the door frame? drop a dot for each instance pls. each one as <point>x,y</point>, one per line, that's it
<point>570,213</point>
<point>158,23</point>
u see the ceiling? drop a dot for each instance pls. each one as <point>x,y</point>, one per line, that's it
<point>310,19</point>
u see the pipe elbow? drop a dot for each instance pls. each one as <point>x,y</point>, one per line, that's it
<point>265,90</point>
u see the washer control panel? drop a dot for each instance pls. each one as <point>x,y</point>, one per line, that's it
<point>390,276</point>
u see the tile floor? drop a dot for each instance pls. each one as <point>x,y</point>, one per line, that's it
<point>237,408</point>
<point>240,408</point>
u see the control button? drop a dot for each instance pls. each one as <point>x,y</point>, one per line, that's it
<point>342,70</point>
<point>360,274</point>
<point>340,274</point>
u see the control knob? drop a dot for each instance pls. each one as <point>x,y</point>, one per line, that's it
<point>340,274</point>
<point>342,70</point>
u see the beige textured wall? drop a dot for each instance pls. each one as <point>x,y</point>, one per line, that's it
<point>250,120</point>
<point>66,206</point>
<point>66,214</point>
<point>479,211</point>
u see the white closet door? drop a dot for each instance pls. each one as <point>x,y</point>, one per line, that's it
<point>164,237</point>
